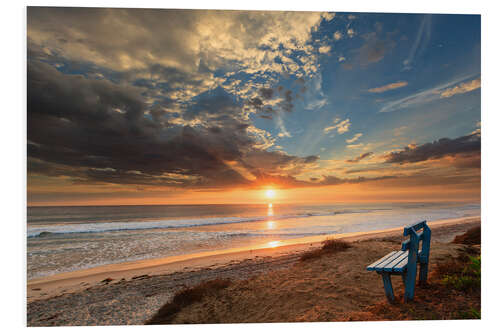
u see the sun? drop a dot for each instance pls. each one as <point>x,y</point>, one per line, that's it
<point>270,194</point>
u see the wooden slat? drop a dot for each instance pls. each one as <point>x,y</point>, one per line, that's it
<point>371,267</point>
<point>390,259</point>
<point>390,266</point>
<point>401,266</point>
<point>389,263</point>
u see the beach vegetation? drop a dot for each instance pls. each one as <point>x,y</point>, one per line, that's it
<point>186,297</point>
<point>471,237</point>
<point>472,313</point>
<point>328,246</point>
<point>468,278</point>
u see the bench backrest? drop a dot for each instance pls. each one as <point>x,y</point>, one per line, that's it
<point>412,244</point>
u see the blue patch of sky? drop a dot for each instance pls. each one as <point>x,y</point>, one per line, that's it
<point>451,50</point>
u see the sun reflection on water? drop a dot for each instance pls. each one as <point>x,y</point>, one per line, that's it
<point>270,211</point>
<point>274,243</point>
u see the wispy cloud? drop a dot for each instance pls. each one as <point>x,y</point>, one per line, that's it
<point>354,138</point>
<point>356,146</point>
<point>316,96</point>
<point>281,126</point>
<point>400,130</point>
<point>389,86</point>
<point>423,37</point>
<point>426,96</point>
<point>360,157</point>
<point>477,131</point>
<point>341,126</point>
<point>316,104</point>
<point>462,88</point>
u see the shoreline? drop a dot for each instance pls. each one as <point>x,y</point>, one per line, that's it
<point>80,280</point>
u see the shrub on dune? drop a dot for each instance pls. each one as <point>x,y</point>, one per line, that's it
<point>329,246</point>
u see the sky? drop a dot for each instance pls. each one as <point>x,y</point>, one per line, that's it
<point>137,106</point>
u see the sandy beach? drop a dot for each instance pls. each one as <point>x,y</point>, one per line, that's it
<point>131,293</point>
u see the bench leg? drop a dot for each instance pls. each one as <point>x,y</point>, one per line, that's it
<point>386,277</point>
<point>410,279</point>
<point>422,277</point>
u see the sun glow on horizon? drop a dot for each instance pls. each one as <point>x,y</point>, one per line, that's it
<point>270,194</point>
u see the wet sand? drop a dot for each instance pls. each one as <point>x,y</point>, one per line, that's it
<point>130,293</point>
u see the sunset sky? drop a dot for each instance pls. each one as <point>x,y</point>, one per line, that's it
<point>134,106</point>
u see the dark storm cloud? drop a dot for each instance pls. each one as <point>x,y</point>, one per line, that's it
<point>256,102</point>
<point>469,144</point>
<point>287,104</point>
<point>265,116</point>
<point>262,162</point>
<point>98,131</point>
<point>326,180</point>
<point>265,110</point>
<point>74,121</point>
<point>424,179</point>
<point>360,157</point>
<point>333,180</point>
<point>266,93</point>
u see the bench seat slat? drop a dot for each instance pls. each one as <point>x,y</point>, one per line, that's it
<point>371,267</point>
<point>387,260</point>
<point>391,261</point>
<point>401,266</point>
<point>394,256</point>
<point>390,266</point>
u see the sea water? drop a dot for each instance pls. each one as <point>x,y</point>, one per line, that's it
<point>62,239</point>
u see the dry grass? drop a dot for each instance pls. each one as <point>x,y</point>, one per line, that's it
<point>471,237</point>
<point>454,266</point>
<point>329,246</point>
<point>186,297</point>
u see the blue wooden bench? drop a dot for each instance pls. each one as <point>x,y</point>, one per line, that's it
<point>404,262</point>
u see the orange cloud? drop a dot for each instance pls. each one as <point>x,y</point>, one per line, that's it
<point>389,86</point>
<point>462,88</point>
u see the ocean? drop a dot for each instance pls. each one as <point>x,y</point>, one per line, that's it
<point>63,239</point>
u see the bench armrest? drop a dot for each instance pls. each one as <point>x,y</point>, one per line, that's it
<point>415,227</point>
